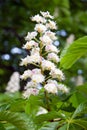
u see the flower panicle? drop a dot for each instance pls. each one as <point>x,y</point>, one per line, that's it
<point>44,55</point>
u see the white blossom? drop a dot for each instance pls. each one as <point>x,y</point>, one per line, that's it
<point>52,81</point>
<point>57,73</point>
<point>14,83</point>
<point>36,71</point>
<point>31,84</point>
<point>51,25</point>
<point>40,28</point>
<point>63,88</point>
<point>46,40</point>
<point>38,78</point>
<point>44,55</point>
<point>35,58</point>
<point>30,91</point>
<point>31,59</point>
<point>26,74</point>
<point>35,75</point>
<point>35,51</point>
<point>51,88</point>
<point>51,48</point>
<point>30,44</point>
<point>38,19</point>
<point>47,65</point>
<point>46,14</point>
<point>53,57</point>
<point>51,35</point>
<point>25,61</point>
<point>31,36</point>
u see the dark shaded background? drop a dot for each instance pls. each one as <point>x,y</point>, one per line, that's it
<point>71,18</point>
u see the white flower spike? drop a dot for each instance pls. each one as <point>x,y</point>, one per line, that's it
<point>44,56</point>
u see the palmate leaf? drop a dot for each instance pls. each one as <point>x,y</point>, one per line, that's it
<point>77,98</point>
<point>80,122</point>
<point>81,109</point>
<point>50,126</point>
<point>72,53</point>
<point>64,127</point>
<point>21,121</point>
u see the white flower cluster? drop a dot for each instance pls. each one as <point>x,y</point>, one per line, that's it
<point>14,83</point>
<point>44,56</point>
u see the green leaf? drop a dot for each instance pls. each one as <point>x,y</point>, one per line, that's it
<point>74,127</point>
<point>16,119</point>
<point>81,109</point>
<point>77,98</point>
<point>72,53</point>
<point>46,117</point>
<point>1,127</point>
<point>17,105</point>
<point>82,88</point>
<point>64,127</point>
<point>32,105</point>
<point>80,122</point>
<point>50,126</point>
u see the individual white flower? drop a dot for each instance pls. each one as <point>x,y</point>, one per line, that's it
<point>38,78</point>
<point>31,59</point>
<point>51,35</point>
<point>38,19</point>
<point>51,48</point>
<point>30,91</point>
<point>25,61</point>
<point>52,81</point>
<point>31,84</point>
<point>40,28</point>
<point>14,83</point>
<point>47,65</point>
<point>53,57</point>
<point>51,25</point>
<point>63,88</point>
<point>36,71</point>
<point>35,51</point>
<point>46,14</point>
<point>31,35</point>
<point>26,74</point>
<point>46,40</point>
<point>30,44</point>
<point>51,88</point>
<point>57,73</point>
<point>36,58</point>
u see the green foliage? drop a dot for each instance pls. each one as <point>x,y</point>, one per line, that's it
<point>12,111</point>
<point>72,53</point>
<point>81,109</point>
<point>27,118</point>
<point>50,126</point>
<point>16,119</point>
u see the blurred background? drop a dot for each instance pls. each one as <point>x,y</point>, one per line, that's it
<point>71,18</point>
